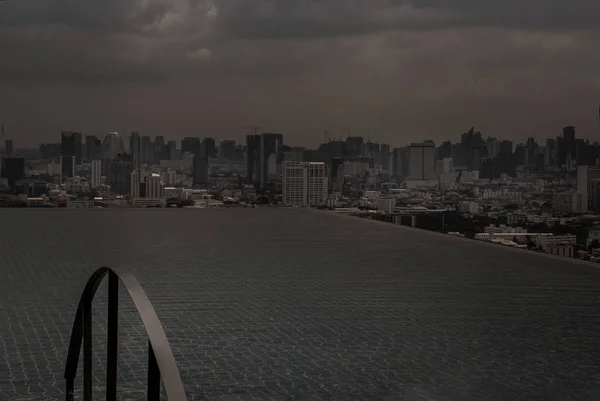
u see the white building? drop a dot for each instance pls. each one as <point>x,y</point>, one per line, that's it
<point>422,161</point>
<point>146,185</point>
<point>96,178</point>
<point>154,186</point>
<point>304,183</point>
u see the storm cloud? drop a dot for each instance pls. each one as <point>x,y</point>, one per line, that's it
<point>394,70</point>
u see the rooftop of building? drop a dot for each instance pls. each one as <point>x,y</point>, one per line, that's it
<point>295,303</point>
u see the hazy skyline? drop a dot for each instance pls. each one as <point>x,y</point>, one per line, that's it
<point>400,71</point>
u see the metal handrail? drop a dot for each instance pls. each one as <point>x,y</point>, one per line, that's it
<point>160,357</point>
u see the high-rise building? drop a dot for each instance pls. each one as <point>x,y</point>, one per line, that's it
<point>118,174</point>
<point>135,149</point>
<point>588,186</point>
<point>200,172</point>
<point>354,146</point>
<point>270,144</point>
<point>92,148</point>
<point>567,147</point>
<point>154,186</point>
<point>12,169</point>
<point>8,148</point>
<point>146,150</point>
<point>385,158</point>
<point>422,161</point>
<point>227,150</point>
<point>192,145</point>
<point>96,178</point>
<point>253,158</point>
<point>160,150</point>
<point>304,183</point>
<point>401,162</point>
<point>112,146</point>
<point>67,168</point>
<point>172,149</point>
<point>210,148</point>
<point>71,145</point>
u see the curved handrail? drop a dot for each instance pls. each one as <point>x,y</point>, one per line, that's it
<point>160,352</point>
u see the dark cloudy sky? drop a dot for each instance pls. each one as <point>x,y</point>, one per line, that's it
<point>397,70</point>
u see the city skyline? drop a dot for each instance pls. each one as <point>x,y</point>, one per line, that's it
<point>392,69</point>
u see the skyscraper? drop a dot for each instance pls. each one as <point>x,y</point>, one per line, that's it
<point>270,144</point>
<point>200,172</point>
<point>119,176</point>
<point>253,158</point>
<point>13,169</point>
<point>8,148</point>
<point>67,168</point>
<point>304,183</point>
<point>96,177</point>
<point>112,146</point>
<point>71,145</point>
<point>192,145</point>
<point>210,148</point>
<point>227,150</point>
<point>172,149</point>
<point>93,148</point>
<point>135,149</point>
<point>146,150</point>
<point>422,161</point>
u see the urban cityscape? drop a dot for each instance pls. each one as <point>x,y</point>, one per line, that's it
<point>543,195</point>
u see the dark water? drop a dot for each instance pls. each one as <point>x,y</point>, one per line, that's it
<point>295,304</point>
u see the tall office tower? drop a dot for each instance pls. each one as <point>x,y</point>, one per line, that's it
<point>118,176</point>
<point>506,148</point>
<point>386,161</point>
<point>304,183</point>
<point>172,150</point>
<point>422,161</point>
<point>295,154</point>
<point>67,168</point>
<point>146,150</point>
<point>253,158</point>
<point>210,148</point>
<point>588,186</point>
<point>13,169</point>
<point>270,144</point>
<point>192,145</point>
<point>566,146</point>
<point>8,148</point>
<point>70,145</point>
<point>354,146</point>
<point>401,162</point>
<point>112,146</point>
<point>227,150</point>
<point>96,178</point>
<point>160,150</point>
<point>200,174</point>
<point>135,149</point>
<point>444,150</point>
<point>493,147</point>
<point>92,148</point>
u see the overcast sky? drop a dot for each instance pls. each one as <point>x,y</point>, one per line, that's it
<point>394,70</point>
